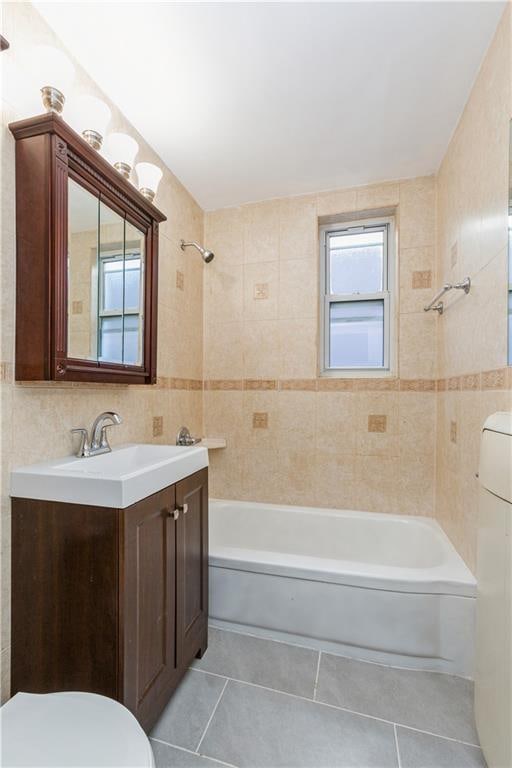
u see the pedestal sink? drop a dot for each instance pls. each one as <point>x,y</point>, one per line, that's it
<point>117,479</point>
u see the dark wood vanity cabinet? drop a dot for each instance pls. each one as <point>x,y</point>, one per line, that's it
<point>112,601</point>
<point>77,221</point>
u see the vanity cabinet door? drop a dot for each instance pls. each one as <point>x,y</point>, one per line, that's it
<point>192,565</point>
<point>148,604</point>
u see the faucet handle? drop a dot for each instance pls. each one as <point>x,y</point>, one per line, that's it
<point>103,442</point>
<point>84,447</point>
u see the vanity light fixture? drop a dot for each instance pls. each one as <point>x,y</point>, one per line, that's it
<point>55,73</point>
<point>121,150</point>
<point>91,117</point>
<point>149,176</point>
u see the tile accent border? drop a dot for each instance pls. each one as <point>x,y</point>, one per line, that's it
<point>497,379</point>
<point>500,378</point>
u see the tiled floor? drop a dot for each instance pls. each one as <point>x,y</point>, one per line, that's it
<point>255,703</point>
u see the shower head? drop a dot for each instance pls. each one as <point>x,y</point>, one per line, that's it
<point>207,255</point>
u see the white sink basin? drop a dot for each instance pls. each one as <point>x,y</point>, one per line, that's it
<point>117,479</point>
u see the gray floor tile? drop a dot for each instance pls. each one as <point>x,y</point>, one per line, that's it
<point>430,701</point>
<point>257,660</point>
<point>254,727</point>
<point>170,757</point>
<point>419,750</point>
<point>185,717</point>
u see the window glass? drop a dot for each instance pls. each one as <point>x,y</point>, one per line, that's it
<point>132,284</point>
<point>356,330</point>
<point>112,275</point>
<point>356,262</point>
<point>111,339</point>
<point>131,339</point>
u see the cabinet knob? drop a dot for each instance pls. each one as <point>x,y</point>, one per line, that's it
<point>184,508</point>
<point>174,513</point>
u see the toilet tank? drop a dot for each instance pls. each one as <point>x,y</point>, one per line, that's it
<point>493,675</point>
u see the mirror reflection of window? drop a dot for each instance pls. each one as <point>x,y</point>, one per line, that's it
<point>105,282</point>
<point>120,302</point>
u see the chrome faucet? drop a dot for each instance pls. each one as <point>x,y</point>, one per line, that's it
<point>98,442</point>
<point>185,438</point>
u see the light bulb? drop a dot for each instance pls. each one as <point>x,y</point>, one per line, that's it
<point>54,73</point>
<point>90,117</point>
<point>121,151</point>
<point>149,176</point>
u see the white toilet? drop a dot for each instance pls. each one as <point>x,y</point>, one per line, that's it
<point>58,730</point>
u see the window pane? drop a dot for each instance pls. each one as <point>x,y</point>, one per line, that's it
<point>132,284</point>
<point>356,331</point>
<point>356,262</point>
<point>111,339</point>
<point>131,340</point>
<point>112,285</point>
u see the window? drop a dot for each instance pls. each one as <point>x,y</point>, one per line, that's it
<point>119,307</point>
<point>356,274</point>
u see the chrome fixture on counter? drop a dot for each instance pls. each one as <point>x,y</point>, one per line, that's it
<point>98,442</point>
<point>207,255</point>
<point>438,306</point>
<point>185,438</point>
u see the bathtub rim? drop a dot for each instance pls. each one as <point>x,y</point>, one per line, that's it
<point>449,578</point>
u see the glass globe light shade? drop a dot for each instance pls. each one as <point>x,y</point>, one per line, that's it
<point>90,117</point>
<point>54,74</point>
<point>149,176</point>
<point>121,150</point>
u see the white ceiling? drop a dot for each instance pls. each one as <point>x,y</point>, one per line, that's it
<point>248,101</point>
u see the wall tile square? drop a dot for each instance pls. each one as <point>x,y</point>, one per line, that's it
<point>158,426</point>
<point>422,279</point>
<point>377,423</point>
<point>260,421</point>
<point>261,290</point>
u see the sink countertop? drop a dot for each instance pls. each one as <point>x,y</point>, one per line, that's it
<point>117,479</point>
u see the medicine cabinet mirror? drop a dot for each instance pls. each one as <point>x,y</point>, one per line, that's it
<point>87,253</point>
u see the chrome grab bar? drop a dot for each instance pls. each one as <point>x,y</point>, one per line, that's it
<point>438,306</point>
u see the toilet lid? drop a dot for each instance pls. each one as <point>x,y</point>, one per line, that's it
<point>71,729</point>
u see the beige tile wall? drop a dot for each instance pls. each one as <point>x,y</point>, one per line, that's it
<point>36,419</point>
<point>261,330</point>
<point>472,334</point>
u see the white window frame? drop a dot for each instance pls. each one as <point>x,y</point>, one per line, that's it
<point>387,295</point>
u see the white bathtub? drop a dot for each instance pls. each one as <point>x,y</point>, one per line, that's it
<point>386,588</point>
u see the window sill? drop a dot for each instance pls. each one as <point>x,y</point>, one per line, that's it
<point>359,373</point>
